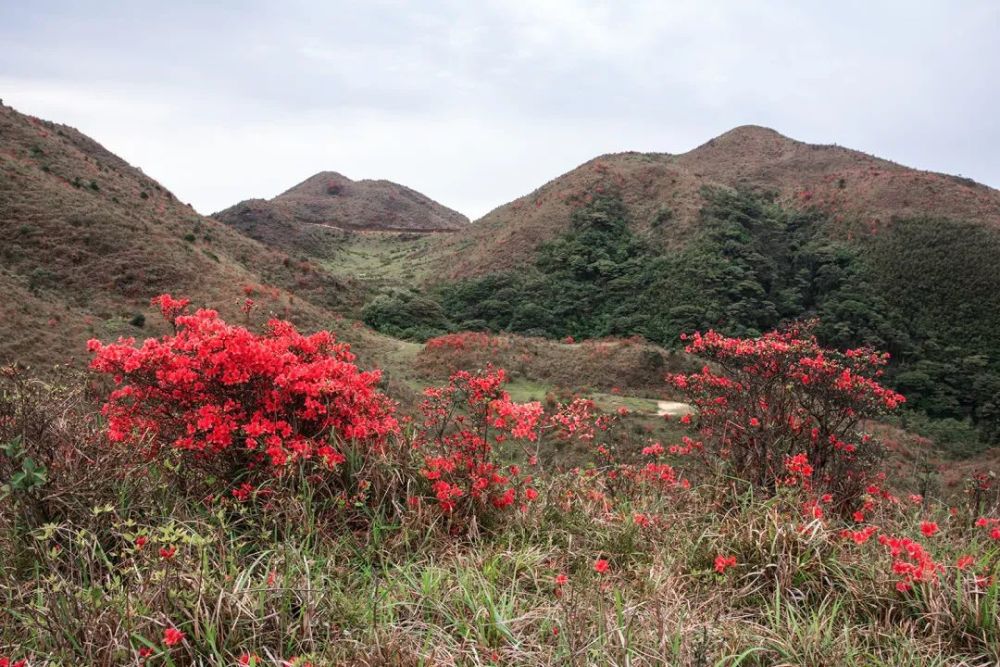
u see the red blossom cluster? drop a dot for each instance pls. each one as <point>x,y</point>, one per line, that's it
<point>172,637</point>
<point>722,563</point>
<point>462,423</point>
<point>235,400</point>
<point>859,536</point>
<point>578,420</point>
<point>910,561</point>
<point>991,525</point>
<point>781,400</point>
<point>465,340</point>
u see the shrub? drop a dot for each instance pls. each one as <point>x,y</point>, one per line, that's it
<point>233,402</point>
<point>462,423</point>
<point>406,315</point>
<point>781,398</point>
<point>52,464</point>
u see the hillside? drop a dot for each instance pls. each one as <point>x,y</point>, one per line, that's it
<point>305,218</point>
<point>87,239</point>
<point>744,235</point>
<point>664,194</point>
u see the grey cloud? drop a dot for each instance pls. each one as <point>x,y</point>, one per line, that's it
<point>476,103</point>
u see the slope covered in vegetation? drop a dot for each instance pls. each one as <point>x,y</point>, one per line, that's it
<point>664,194</point>
<point>922,289</point>
<point>87,239</point>
<point>252,499</point>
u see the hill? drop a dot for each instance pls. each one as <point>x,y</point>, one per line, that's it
<point>87,239</point>
<point>744,234</point>
<point>327,204</point>
<point>665,194</point>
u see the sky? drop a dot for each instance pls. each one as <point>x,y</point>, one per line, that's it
<point>475,103</point>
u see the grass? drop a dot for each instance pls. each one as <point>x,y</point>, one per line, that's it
<point>371,580</point>
<point>383,259</point>
<point>400,593</point>
<point>523,390</point>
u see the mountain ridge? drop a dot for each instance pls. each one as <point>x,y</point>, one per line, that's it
<point>860,193</point>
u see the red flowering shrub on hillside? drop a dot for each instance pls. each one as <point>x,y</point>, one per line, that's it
<point>231,400</point>
<point>464,424</point>
<point>780,409</point>
<point>465,340</point>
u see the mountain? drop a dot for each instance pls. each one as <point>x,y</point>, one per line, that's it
<point>328,202</point>
<point>745,234</point>
<point>665,194</point>
<point>87,239</point>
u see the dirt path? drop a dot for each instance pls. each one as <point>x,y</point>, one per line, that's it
<point>672,408</point>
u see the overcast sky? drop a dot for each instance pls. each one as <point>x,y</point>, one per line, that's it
<point>477,103</point>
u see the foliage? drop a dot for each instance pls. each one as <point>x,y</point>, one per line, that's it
<point>611,563</point>
<point>463,425</point>
<point>924,290</point>
<point>407,315</point>
<point>942,276</point>
<point>236,403</point>
<point>780,400</point>
<point>584,284</point>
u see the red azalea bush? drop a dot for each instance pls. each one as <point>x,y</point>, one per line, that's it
<point>232,401</point>
<point>782,409</point>
<point>464,424</point>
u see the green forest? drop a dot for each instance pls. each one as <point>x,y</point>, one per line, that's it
<point>926,290</point>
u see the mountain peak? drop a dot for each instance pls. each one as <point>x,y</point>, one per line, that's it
<point>317,183</point>
<point>747,139</point>
<point>332,201</point>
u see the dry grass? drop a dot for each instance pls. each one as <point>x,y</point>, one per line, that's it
<point>372,584</point>
<point>86,240</point>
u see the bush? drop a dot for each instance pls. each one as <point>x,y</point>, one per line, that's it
<point>781,404</point>
<point>462,423</point>
<point>53,464</point>
<point>234,403</point>
<point>406,315</point>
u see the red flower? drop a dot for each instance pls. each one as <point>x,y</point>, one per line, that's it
<point>724,562</point>
<point>964,562</point>
<point>172,637</point>
<point>928,528</point>
<point>812,399</point>
<point>215,390</point>
<point>601,566</point>
<point>167,553</point>
<point>561,579</point>
<point>140,541</point>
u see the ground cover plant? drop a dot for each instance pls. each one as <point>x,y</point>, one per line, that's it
<point>247,495</point>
